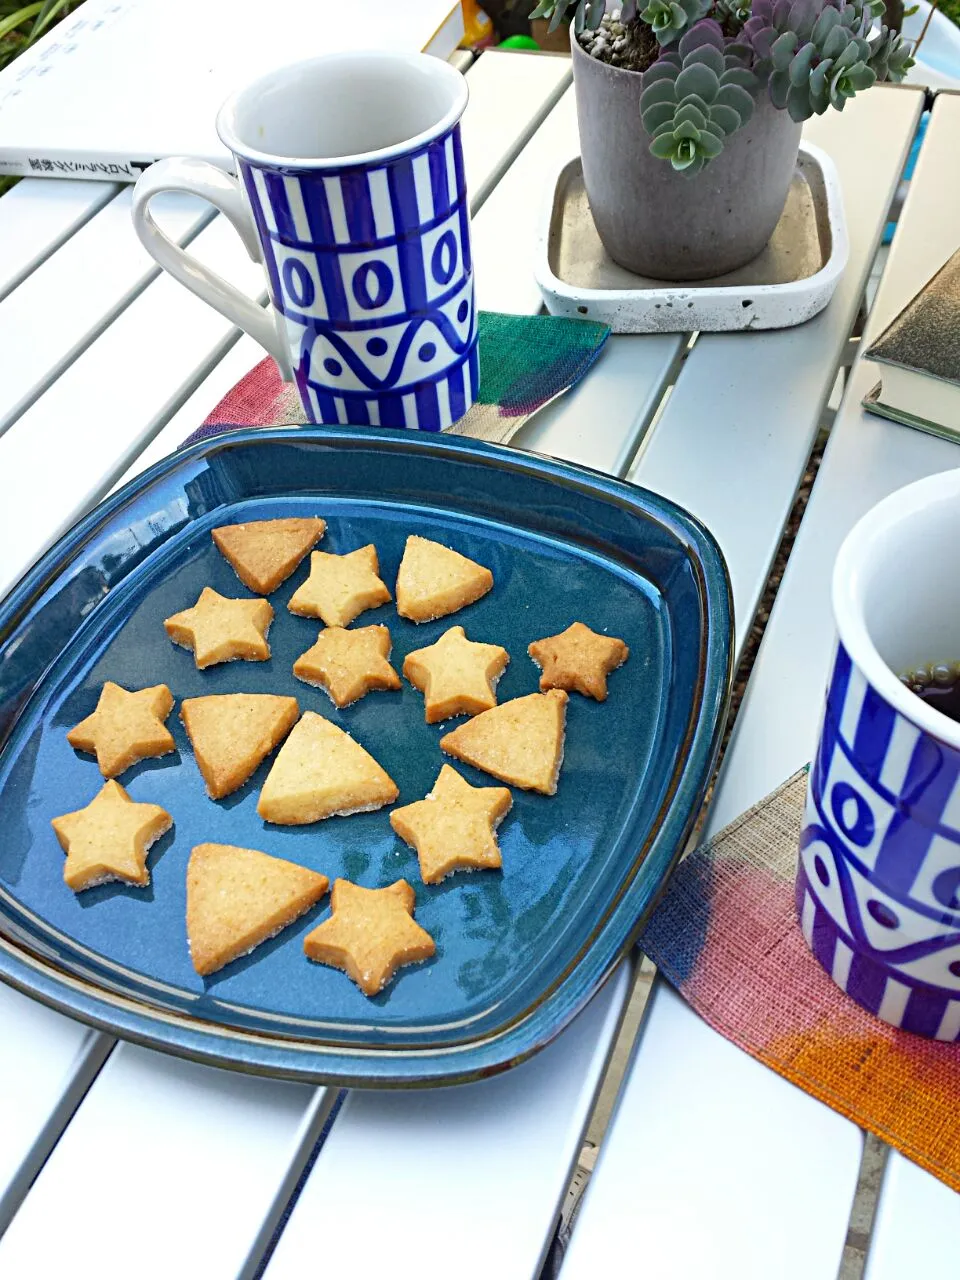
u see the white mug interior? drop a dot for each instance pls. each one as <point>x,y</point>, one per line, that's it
<point>896,597</point>
<point>343,108</point>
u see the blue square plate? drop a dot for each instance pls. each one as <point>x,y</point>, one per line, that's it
<point>518,952</point>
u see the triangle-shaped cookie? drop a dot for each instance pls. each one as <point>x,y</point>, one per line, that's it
<point>232,732</point>
<point>321,772</point>
<point>434,580</point>
<point>519,742</point>
<point>265,552</point>
<point>238,898</point>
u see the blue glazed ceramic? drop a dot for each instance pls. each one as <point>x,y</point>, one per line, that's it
<point>519,952</point>
<point>878,887</point>
<point>352,168</point>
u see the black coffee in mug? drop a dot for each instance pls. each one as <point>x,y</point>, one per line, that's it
<point>938,685</point>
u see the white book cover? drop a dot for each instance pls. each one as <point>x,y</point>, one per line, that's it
<point>121,83</point>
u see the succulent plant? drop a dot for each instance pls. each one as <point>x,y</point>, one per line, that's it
<point>696,96</point>
<point>586,13</point>
<point>813,54</point>
<point>700,78</point>
<point>668,19</point>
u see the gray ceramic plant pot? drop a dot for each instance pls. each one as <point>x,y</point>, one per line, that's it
<point>660,223</point>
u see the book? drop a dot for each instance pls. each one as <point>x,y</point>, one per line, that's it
<point>920,356</point>
<point>121,83</point>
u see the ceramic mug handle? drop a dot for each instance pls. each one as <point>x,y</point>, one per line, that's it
<point>199,178</point>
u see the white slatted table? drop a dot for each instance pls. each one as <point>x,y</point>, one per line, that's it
<point>480,1170</point>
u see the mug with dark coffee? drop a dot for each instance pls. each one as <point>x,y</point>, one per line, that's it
<point>878,887</point>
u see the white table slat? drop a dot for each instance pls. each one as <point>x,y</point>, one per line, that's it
<point>100,412</point>
<point>513,92</point>
<point>46,1065</point>
<point>599,422</point>
<point>60,308</point>
<point>917,1225</point>
<point>750,405</point>
<point>37,216</point>
<point>865,460</point>
<point>731,445</point>
<point>127,1191</point>
<point>695,1178</point>
<point>443,1182</point>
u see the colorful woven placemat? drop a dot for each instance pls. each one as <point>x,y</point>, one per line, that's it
<point>726,936</point>
<point>525,363</point>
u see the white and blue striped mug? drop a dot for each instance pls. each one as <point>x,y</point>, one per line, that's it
<point>351,192</point>
<point>878,886</point>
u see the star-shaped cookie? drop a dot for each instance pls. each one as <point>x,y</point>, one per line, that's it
<point>578,659</point>
<point>109,839</point>
<point>370,935</point>
<point>340,588</point>
<point>126,726</point>
<point>348,664</point>
<point>221,629</point>
<point>434,580</point>
<point>264,553</point>
<point>453,828</point>
<point>520,741</point>
<point>457,676</point>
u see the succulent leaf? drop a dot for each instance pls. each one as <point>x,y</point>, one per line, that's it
<point>699,79</point>
<point>707,31</point>
<point>657,115</point>
<point>667,19</point>
<point>659,91</point>
<point>799,69</point>
<point>710,57</point>
<point>782,50</point>
<point>727,119</point>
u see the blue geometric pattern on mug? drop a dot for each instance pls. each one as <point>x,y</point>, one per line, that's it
<point>880,859</point>
<point>428,405</point>
<point>356,245</point>
<point>371,269</point>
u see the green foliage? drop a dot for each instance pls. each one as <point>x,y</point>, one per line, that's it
<point>584,13</point>
<point>815,54</point>
<point>668,19</point>
<point>696,97</point>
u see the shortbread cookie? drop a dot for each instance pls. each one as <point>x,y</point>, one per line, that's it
<point>126,726</point>
<point>458,676</point>
<point>519,742</point>
<point>232,732</point>
<point>221,629</point>
<point>340,588</point>
<point>370,935</point>
<point>238,898</point>
<point>578,659</point>
<point>109,839</point>
<point>264,553</point>
<point>321,772</point>
<point>348,664</point>
<point>434,580</point>
<point>453,828</point>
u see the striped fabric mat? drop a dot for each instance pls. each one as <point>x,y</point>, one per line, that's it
<point>726,936</point>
